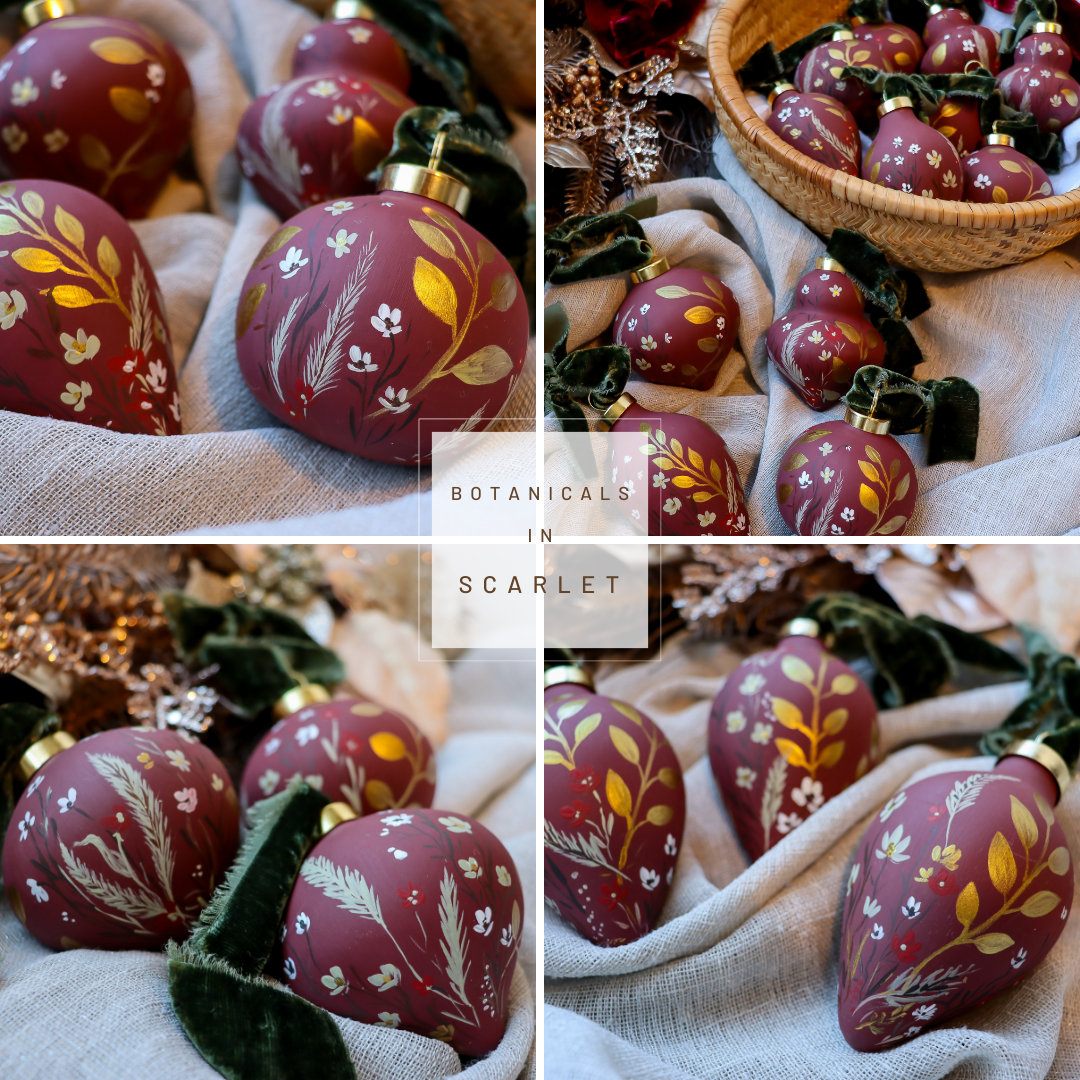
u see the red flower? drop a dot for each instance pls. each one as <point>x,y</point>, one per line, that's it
<point>634,29</point>
<point>302,393</point>
<point>412,896</point>
<point>944,884</point>
<point>834,332</point>
<point>935,813</point>
<point>611,895</point>
<point>907,949</point>
<point>422,986</point>
<point>118,821</point>
<point>575,814</point>
<point>352,745</point>
<point>129,362</point>
<point>585,779</point>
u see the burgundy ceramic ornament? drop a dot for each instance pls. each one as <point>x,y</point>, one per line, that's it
<point>408,920</point>
<point>316,138</point>
<point>679,325</point>
<point>820,72</point>
<point>357,46</point>
<point>908,155</point>
<point>817,126</point>
<point>101,103</point>
<point>825,338</point>
<point>846,478</point>
<point>957,118</point>
<point>1044,45</point>
<point>943,20</point>
<point>1045,90</point>
<point>890,42</point>
<point>82,320</point>
<point>960,887</point>
<point>352,751</point>
<point>958,46</point>
<point>360,316</point>
<point>680,479</point>
<point>614,810</point>
<point>1000,173</point>
<point>119,840</point>
<point>790,729</point>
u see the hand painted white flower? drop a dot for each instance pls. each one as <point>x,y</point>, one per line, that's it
<point>911,908</point>
<point>42,897</point>
<point>647,343</point>
<point>870,907</point>
<point>506,939</point>
<point>290,265</point>
<point>1045,74</point>
<point>783,114</point>
<point>786,822</point>
<point>745,777</point>
<point>898,141</point>
<point>470,867</point>
<point>323,88</point>
<point>157,376</point>
<point>174,407</point>
<point>923,1012</point>
<point>736,720</point>
<point>1016,961</point>
<point>24,91</point>
<point>55,140</point>
<point>361,35</point>
<point>340,243</point>
<point>649,879</point>
<point>79,348</point>
<point>306,41</point>
<point>913,148</point>
<point>878,932</point>
<point>893,804</point>
<point>892,845</point>
<point>272,746</point>
<point>886,158</point>
<point>809,794</point>
<point>671,845</point>
<point>455,824</point>
<point>720,324</point>
<point>805,289</point>
<point>186,799</point>
<point>340,115</point>
<point>835,530</point>
<point>37,782</point>
<point>949,179</point>
<point>360,361</point>
<point>216,782</point>
<point>303,923</point>
<point>667,338</point>
<point>178,759</point>
<point>389,1019</point>
<point>502,875</point>
<point>305,734</point>
<point>806,112</point>
<point>66,803</point>
<point>660,481</point>
<point>642,363</point>
<point>335,982</point>
<point>826,449</point>
<point>852,878</point>
<point>290,968</point>
<point>483,921</point>
<point>76,395</point>
<point>26,45</point>
<point>827,474</point>
<point>156,74</point>
<point>762,733</point>
<point>1045,47</point>
<point>12,308</point>
<point>927,194</point>
<point>706,519</point>
<point>338,208</point>
<point>752,683</point>
<point>632,324</point>
<point>672,505</point>
<point>847,514</point>
<point>836,290</point>
<point>816,338</point>
<point>906,188</point>
<point>804,479</point>
<point>644,309</point>
<point>386,322</point>
<point>972,160</point>
<point>969,45</point>
<point>394,403</point>
<point>1055,100</point>
<point>388,976</point>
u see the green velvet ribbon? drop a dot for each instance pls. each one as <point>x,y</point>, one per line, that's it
<point>947,409</point>
<point>914,13</point>
<point>1025,16</point>
<point>1050,712</point>
<point>21,725</point>
<point>497,207</point>
<point>770,65</point>
<point>589,246</point>
<point>871,11</point>
<point>246,1027</point>
<point>895,294</point>
<point>912,658</point>
<point>260,653</point>
<point>887,85</point>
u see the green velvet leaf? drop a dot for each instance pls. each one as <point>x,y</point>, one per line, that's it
<point>770,65</point>
<point>21,725</point>
<point>871,11</point>
<point>249,1029</point>
<point>589,246</point>
<point>887,85</point>
<point>899,293</point>
<point>1043,147</point>
<point>978,84</point>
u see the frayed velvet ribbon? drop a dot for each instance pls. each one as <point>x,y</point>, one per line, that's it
<point>886,84</point>
<point>588,246</point>
<point>912,658</point>
<point>914,13</point>
<point>1026,14</point>
<point>947,409</point>
<point>770,65</point>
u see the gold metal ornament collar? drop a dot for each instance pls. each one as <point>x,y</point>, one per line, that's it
<point>869,424</point>
<point>38,753</point>
<point>428,180</point>
<point>892,104</point>
<point>1048,758</point>
<point>334,814</point>
<point>654,269</point>
<point>614,411</point>
<point>295,699</point>
<point>567,673</point>
<point>39,11</point>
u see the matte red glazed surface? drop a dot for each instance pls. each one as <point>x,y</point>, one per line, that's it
<point>819,127</point>
<point>355,45</point>
<point>910,156</point>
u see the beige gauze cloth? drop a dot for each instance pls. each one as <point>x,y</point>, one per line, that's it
<point>235,463</point>
<point>739,980</point>
<point>1013,332</point>
<point>92,1015</point>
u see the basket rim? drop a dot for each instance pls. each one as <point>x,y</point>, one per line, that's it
<point>853,189</point>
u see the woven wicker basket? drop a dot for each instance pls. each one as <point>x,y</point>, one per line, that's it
<point>921,233</point>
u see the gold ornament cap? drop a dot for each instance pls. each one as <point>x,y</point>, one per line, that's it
<point>801,627</point>
<point>299,696</point>
<point>1048,758</point>
<point>778,89</point>
<point>614,411</point>
<point>843,35</point>
<point>38,753</point>
<point>1047,28</point>
<point>334,814</point>
<point>866,423</point>
<point>39,11</point>
<point>856,21</point>
<point>654,269</point>
<point>350,9</point>
<point>892,104</point>
<point>933,9</point>
<point>998,139</point>
<point>568,673</point>
<point>825,262</point>
<point>427,180</point>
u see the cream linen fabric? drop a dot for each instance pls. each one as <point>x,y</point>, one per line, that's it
<point>92,1015</point>
<point>236,463</point>
<point>739,980</point>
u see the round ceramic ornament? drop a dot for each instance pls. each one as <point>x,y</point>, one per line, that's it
<point>908,155</point>
<point>614,811</point>
<point>960,887</point>
<point>825,337</point>
<point>816,125</point>
<point>407,920</point>
<point>352,751</point>
<point>890,43</point>
<point>82,320</point>
<point>360,316</point>
<point>679,325</point>
<point>846,477</point>
<point>353,45</point>
<point>959,45</point>
<point>943,20</point>
<point>1000,173</point>
<point>957,118</point>
<point>680,479</point>
<point>790,729</point>
<point>1045,90</point>
<point>101,103</point>
<point>316,138</point>
<point>1044,45</point>
<point>820,72</point>
<point>119,840</point>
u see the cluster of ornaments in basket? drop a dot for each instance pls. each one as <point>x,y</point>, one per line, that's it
<point>790,729</point>
<point>1039,81</point>
<point>816,125</point>
<point>614,811</point>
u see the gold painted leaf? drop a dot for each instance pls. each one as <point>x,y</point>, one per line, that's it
<point>796,461</point>
<point>844,685</point>
<point>440,218</point>
<point>783,493</point>
<point>708,344</point>
<point>874,456</point>
<point>434,290</point>
<point>379,794</point>
<point>1059,861</point>
<point>902,487</point>
<point>870,472</point>
<point>34,203</point>
<point>1024,823</point>
<point>841,373</point>
<point>695,459</point>
<point>703,496</point>
<point>504,290</point>
<point>277,240</point>
<point>107,258</point>
<point>793,752</point>
<point>683,481</point>
<point>993,943</point>
<point>861,56</point>
<point>485,366</point>
<point>1042,903</point>
<point>585,728</point>
<point>618,794</point>
<point>788,714</point>
<point>946,130</point>
<point>628,711</point>
<point>515,919</point>
<point>967,904</point>
<point>714,472</point>
<point>699,315</point>
<point>553,757</point>
<point>714,286</point>
<point>73,296</point>
<point>8,225</point>
<point>659,815</point>
<point>388,746</point>
<point>485,253</point>
<point>1069,95</point>
<point>1000,194</point>
<point>950,108</point>
<point>247,307</point>
<point>832,754</point>
<point>892,525</point>
<point>129,103</point>
<point>817,433</point>
<point>1002,864</point>
<point>834,723</point>
<point>70,227</point>
<point>1041,806</point>
<point>625,744</point>
<point>1011,166</point>
<point>94,153</point>
<point>672,292</point>
<point>570,708</point>
<point>869,498</point>
<point>797,670</point>
<point>435,239</point>
<point>937,57</point>
<point>669,777</point>
<point>366,708</point>
<point>15,900</point>
<point>7,190</point>
<point>119,50</point>
<point>663,463</point>
<point>850,333</point>
<point>860,769</point>
<point>676,448</point>
<point>874,172</point>
<point>36,260</point>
